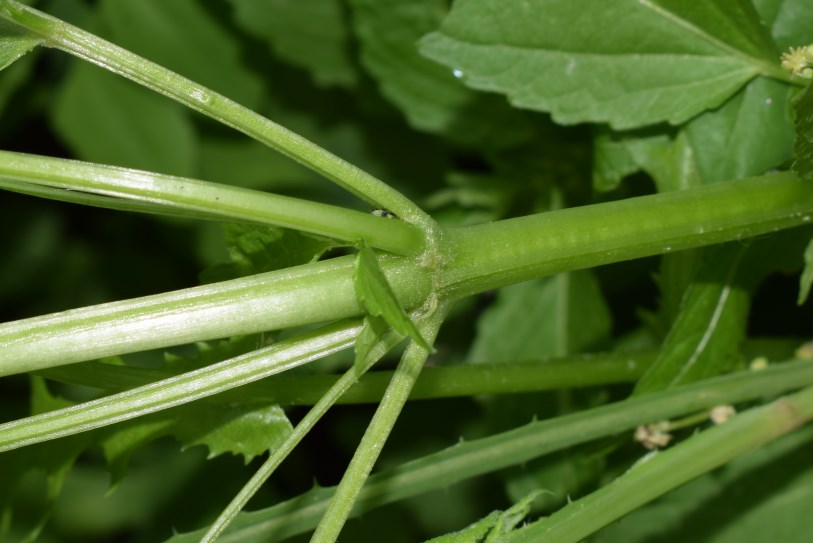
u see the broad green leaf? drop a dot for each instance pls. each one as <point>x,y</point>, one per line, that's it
<point>104,118</point>
<point>312,34</point>
<point>376,295</point>
<point>759,497</point>
<point>429,95</point>
<point>15,42</point>
<point>790,21</point>
<point>748,135</point>
<point>554,316</point>
<point>626,63</point>
<point>256,249</point>
<point>807,275</point>
<point>705,337</point>
<point>717,145</point>
<point>183,36</point>
<point>803,146</point>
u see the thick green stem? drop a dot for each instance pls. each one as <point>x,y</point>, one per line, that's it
<point>201,199</point>
<point>270,301</point>
<point>667,470</point>
<point>182,389</point>
<point>85,45</point>
<point>496,254</point>
<point>473,259</point>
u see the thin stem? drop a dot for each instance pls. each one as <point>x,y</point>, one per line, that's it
<point>459,380</point>
<point>178,390</point>
<point>76,41</point>
<point>377,433</point>
<point>469,459</point>
<point>327,400</point>
<point>669,469</point>
<point>209,200</point>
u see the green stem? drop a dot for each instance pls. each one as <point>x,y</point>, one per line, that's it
<point>473,259</point>
<point>491,255</point>
<point>57,33</point>
<point>202,199</point>
<point>377,433</point>
<point>270,301</point>
<point>326,401</point>
<point>182,389</point>
<point>469,459</point>
<point>669,469</point>
<point>459,380</point>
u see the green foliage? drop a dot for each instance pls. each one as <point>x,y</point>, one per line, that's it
<point>524,238</point>
<point>312,34</point>
<point>694,58</point>
<point>92,108</point>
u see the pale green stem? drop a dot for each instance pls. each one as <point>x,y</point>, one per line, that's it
<point>275,300</point>
<point>182,389</point>
<point>57,33</point>
<point>202,199</point>
<point>327,400</point>
<point>366,455</point>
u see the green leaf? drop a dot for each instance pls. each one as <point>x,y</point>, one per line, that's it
<point>429,95</point>
<point>748,135</point>
<point>376,296</point>
<point>311,34</point>
<point>790,21</point>
<point>628,63</point>
<point>237,429</point>
<point>256,249</point>
<point>803,145</point>
<point>184,37</point>
<point>705,338</point>
<point>246,430</point>
<point>762,496</point>
<point>15,42</point>
<point>104,118</point>
<point>554,316</point>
